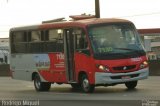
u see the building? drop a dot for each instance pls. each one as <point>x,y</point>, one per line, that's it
<point>151,41</point>
<point>4,51</point>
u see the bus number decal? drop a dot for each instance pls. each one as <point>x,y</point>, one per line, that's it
<point>60,60</point>
<point>60,56</point>
<point>105,50</point>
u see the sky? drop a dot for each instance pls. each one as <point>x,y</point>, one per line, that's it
<point>13,13</point>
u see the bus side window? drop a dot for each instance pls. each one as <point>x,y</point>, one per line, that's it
<point>81,41</point>
<point>54,40</point>
<point>13,48</point>
<point>35,44</point>
<point>19,43</point>
<point>60,45</point>
<point>35,36</point>
<point>42,36</point>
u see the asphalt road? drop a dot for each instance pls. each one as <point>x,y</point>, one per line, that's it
<point>147,93</point>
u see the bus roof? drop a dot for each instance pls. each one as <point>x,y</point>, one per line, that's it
<point>149,31</point>
<point>77,23</point>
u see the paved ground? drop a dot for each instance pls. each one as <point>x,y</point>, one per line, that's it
<point>148,91</point>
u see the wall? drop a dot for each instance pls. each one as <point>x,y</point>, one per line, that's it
<point>4,70</point>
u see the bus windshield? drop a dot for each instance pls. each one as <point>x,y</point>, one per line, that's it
<point>112,41</point>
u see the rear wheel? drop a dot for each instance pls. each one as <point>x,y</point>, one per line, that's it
<point>41,86</point>
<point>131,85</point>
<point>86,87</point>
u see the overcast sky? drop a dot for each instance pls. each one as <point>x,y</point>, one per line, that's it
<point>144,13</point>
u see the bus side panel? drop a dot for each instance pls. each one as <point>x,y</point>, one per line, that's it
<point>56,71</point>
<point>85,63</point>
<point>49,66</point>
<point>22,66</point>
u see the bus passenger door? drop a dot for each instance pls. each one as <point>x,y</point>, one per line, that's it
<point>69,54</point>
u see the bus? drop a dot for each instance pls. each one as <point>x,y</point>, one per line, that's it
<point>84,53</point>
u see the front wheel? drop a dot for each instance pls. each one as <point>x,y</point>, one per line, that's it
<point>41,86</point>
<point>131,85</point>
<point>86,87</point>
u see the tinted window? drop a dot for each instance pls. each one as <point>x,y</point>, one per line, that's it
<point>37,41</point>
<point>81,41</point>
<point>55,41</point>
<point>18,44</point>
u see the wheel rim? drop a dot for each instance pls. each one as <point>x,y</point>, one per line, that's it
<point>86,84</point>
<point>37,83</point>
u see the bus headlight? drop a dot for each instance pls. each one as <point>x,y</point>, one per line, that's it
<point>144,64</point>
<point>103,68</point>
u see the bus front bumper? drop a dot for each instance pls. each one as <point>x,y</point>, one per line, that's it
<point>114,78</point>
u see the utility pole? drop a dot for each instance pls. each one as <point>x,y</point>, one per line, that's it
<point>97,9</point>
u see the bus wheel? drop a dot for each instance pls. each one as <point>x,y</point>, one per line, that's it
<point>86,87</point>
<point>41,86</point>
<point>76,86</point>
<point>131,85</point>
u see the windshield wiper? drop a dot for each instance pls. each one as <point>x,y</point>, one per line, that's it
<point>128,49</point>
<point>125,49</point>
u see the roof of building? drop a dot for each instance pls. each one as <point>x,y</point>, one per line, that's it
<point>149,30</point>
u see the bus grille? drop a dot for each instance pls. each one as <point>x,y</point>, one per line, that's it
<point>124,67</point>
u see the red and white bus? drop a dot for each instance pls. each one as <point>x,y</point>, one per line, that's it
<point>84,53</point>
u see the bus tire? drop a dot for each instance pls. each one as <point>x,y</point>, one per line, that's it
<point>41,86</point>
<point>85,86</point>
<point>131,85</point>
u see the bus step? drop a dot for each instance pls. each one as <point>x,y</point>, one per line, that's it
<point>72,82</point>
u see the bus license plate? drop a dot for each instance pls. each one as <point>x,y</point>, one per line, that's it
<point>126,77</point>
